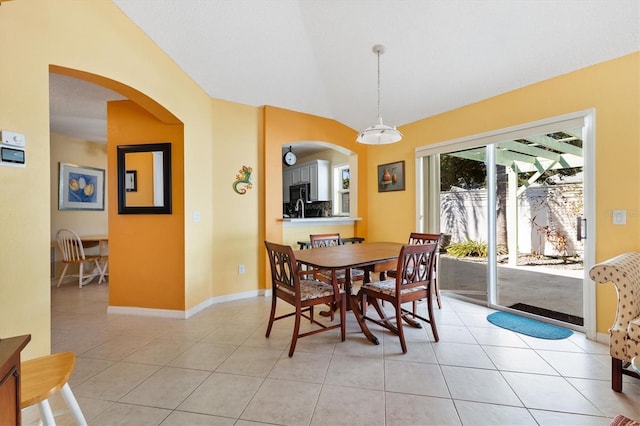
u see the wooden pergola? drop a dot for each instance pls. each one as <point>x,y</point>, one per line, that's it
<point>536,155</point>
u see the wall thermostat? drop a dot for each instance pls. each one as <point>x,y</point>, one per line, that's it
<point>12,149</point>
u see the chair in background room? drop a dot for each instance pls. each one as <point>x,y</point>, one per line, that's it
<point>289,283</point>
<point>72,250</point>
<point>419,238</point>
<point>624,335</point>
<point>413,282</point>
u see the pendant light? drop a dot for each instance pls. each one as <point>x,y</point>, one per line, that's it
<point>379,133</point>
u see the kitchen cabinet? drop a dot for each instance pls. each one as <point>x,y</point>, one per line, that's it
<point>300,174</point>
<point>319,179</point>
<point>315,173</point>
<point>286,183</point>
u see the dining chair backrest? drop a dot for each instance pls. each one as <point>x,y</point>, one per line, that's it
<point>420,238</point>
<point>415,266</point>
<point>284,268</point>
<point>70,245</point>
<point>325,240</point>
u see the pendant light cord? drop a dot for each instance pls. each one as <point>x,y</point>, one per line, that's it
<point>379,117</point>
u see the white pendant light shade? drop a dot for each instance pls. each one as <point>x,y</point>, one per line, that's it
<point>379,133</point>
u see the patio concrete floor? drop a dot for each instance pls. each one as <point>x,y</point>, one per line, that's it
<point>553,289</point>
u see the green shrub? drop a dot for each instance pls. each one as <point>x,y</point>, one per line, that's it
<point>471,249</point>
<point>468,248</point>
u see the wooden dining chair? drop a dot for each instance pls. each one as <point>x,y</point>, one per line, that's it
<point>412,283</point>
<point>289,283</point>
<point>72,250</point>
<point>328,240</point>
<point>420,238</point>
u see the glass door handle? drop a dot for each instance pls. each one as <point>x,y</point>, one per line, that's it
<point>581,228</point>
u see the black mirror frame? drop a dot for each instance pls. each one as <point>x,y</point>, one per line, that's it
<point>165,148</point>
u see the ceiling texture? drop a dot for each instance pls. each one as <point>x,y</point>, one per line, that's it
<point>315,56</point>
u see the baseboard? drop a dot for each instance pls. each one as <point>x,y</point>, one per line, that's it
<point>602,338</point>
<point>176,314</point>
<point>146,312</point>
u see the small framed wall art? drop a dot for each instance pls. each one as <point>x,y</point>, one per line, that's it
<point>391,177</point>
<point>131,180</point>
<point>81,188</point>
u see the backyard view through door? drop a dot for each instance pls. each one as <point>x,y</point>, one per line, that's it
<point>509,212</point>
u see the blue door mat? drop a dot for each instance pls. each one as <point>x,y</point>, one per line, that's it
<point>528,326</point>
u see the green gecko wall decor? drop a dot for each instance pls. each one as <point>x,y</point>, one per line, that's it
<point>243,177</point>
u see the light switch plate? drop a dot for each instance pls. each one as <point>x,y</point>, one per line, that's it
<point>619,217</point>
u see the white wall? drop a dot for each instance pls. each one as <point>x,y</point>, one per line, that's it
<point>463,214</point>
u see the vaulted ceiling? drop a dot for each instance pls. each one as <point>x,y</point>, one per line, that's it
<point>315,56</point>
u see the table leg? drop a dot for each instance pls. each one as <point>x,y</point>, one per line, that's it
<point>355,308</point>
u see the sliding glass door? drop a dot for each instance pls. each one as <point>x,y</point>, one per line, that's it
<point>509,206</point>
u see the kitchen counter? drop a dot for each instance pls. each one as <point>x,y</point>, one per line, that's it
<point>333,220</point>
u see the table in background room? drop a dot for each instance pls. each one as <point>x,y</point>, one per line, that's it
<point>102,241</point>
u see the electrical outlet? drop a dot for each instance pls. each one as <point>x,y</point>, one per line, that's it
<point>240,269</point>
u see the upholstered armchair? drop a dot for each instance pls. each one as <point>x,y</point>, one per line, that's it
<point>624,335</point>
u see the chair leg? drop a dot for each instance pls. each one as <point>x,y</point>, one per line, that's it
<point>343,316</point>
<point>46,415</point>
<point>381,313</point>
<point>64,271</point>
<point>103,270</point>
<point>76,412</point>
<point>403,343</point>
<point>363,304</point>
<point>272,315</point>
<point>80,274</point>
<point>432,319</point>
<point>616,374</point>
<point>296,331</point>
<point>436,290</point>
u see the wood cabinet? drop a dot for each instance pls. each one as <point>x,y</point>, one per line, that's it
<point>315,173</point>
<point>10,349</point>
<point>286,183</point>
<point>319,179</point>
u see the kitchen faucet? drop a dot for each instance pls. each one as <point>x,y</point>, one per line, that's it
<point>300,201</point>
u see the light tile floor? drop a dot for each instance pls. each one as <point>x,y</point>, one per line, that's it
<point>217,368</point>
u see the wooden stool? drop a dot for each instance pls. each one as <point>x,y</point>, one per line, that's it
<point>42,378</point>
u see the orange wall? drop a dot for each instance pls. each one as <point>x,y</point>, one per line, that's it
<point>142,164</point>
<point>287,127</point>
<point>146,252</point>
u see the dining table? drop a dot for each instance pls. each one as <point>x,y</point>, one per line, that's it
<point>371,257</point>
<point>101,241</point>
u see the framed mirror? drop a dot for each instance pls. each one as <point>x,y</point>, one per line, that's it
<point>144,179</point>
